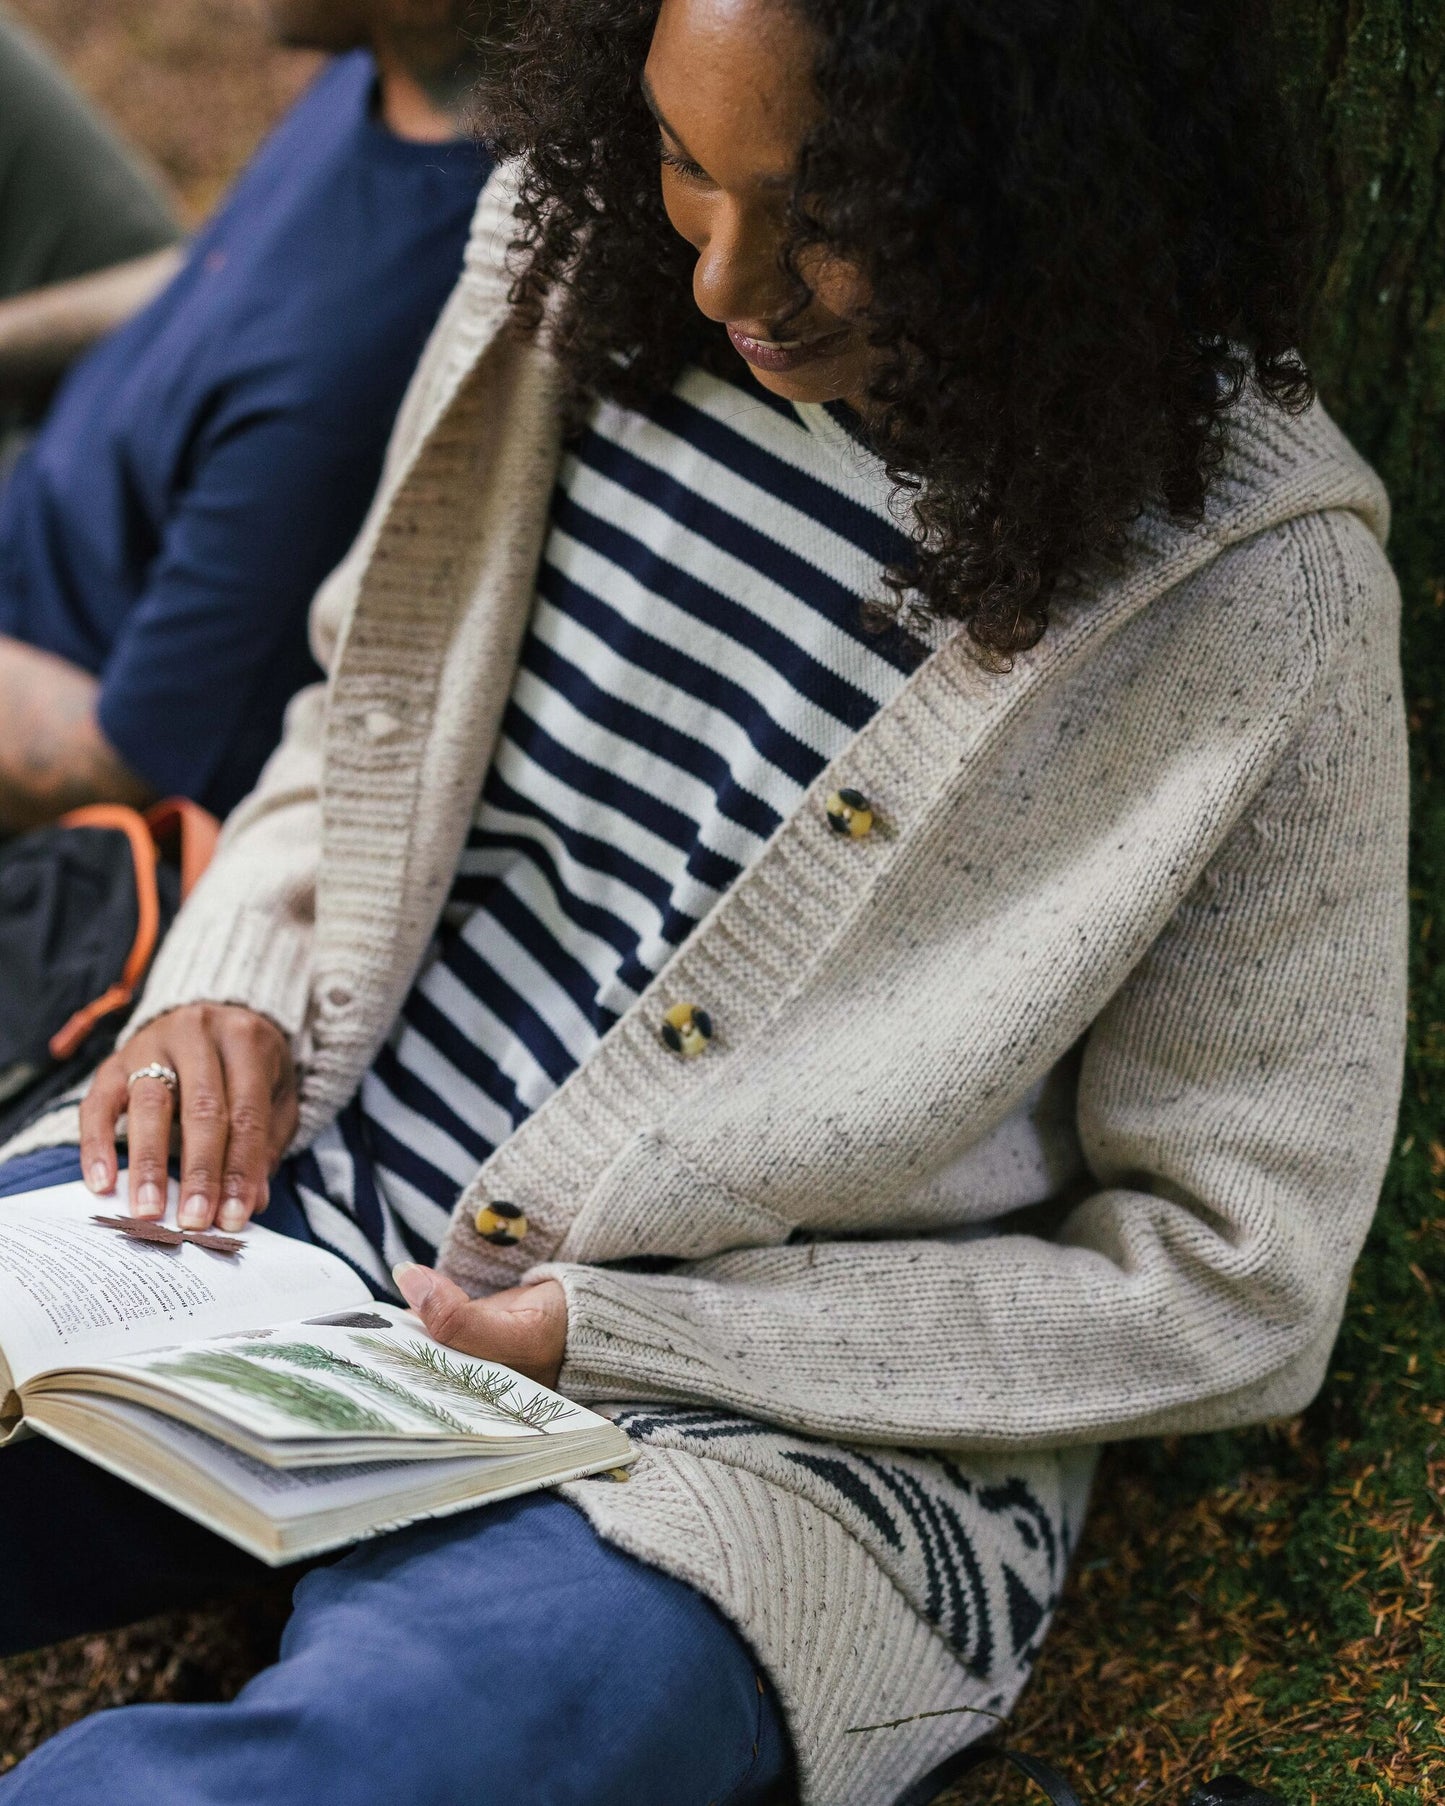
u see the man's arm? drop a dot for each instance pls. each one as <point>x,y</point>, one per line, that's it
<point>53,756</point>
<point>43,331</point>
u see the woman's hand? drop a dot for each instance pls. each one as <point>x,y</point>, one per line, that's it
<point>237,1104</point>
<point>524,1328</point>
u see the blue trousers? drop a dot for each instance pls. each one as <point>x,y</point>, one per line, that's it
<point>506,1657</point>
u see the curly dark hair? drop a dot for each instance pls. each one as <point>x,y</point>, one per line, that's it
<point>1085,224</point>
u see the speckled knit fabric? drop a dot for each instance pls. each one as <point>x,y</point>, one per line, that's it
<point>1053,1110</point>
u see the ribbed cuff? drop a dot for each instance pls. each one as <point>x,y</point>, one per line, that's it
<point>622,1340</point>
<point>251,960</point>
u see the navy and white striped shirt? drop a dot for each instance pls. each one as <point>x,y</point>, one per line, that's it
<point>694,658</point>
<point>696,655</point>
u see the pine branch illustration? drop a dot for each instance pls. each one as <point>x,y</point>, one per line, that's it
<point>295,1395</point>
<point>326,1360</point>
<point>428,1365</point>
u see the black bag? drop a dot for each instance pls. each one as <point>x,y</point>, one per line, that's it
<point>83,907</point>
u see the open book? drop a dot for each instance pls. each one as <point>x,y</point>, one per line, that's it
<point>263,1393</point>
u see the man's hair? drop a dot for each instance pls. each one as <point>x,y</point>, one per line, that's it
<point>1084,223</point>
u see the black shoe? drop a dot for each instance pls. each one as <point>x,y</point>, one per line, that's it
<point>938,1780</point>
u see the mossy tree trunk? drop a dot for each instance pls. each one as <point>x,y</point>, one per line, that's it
<point>1372,74</point>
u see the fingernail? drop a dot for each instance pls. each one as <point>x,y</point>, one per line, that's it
<point>232,1214</point>
<point>195,1212</point>
<point>148,1200</point>
<point>99,1175</point>
<point>413,1282</point>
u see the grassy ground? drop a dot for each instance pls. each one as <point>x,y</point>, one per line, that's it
<point>1264,1601</point>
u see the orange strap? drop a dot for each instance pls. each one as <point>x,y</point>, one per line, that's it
<point>66,1040</point>
<point>196,829</point>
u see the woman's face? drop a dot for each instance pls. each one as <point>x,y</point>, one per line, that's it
<point>730,83</point>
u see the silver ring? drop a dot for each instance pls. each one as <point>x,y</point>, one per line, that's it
<point>167,1075</point>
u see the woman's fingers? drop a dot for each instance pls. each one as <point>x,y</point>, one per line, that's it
<point>100,1110</point>
<point>205,1123</point>
<point>148,1132</point>
<point>285,1107</point>
<point>524,1328</point>
<point>249,1056</point>
<point>237,1107</point>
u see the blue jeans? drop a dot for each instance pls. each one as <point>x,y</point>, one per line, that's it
<point>501,1658</point>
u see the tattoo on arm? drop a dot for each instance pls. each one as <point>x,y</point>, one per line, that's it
<point>53,756</point>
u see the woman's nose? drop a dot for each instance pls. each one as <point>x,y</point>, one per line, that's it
<point>737,275</point>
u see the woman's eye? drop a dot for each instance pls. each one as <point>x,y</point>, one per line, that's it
<point>683,165</point>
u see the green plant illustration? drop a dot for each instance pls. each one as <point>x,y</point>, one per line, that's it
<point>432,1368</point>
<point>294,1395</point>
<point>326,1360</point>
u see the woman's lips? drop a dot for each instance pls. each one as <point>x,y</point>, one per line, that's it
<point>792,354</point>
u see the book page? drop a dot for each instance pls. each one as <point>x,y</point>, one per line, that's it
<point>278,1493</point>
<point>368,1378</point>
<point>74,1293</point>
<point>280,1514</point>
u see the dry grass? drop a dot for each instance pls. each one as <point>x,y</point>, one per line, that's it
<point>204,1656</point>
<point>1172,1659</point>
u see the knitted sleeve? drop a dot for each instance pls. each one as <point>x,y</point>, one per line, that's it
<point>244,935</point>
<point>1236,1107</point>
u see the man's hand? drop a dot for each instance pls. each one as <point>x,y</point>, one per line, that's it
<point>524,1328</point>
<point>44,330</point>
<point>53,756</point>
<point>237,1104</point>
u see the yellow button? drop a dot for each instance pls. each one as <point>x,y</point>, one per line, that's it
<point>850,813</point>
<point>686,1030</point>
<point>501,1224</point>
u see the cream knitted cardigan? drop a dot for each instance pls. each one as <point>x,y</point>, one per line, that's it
<point>1171,839</point>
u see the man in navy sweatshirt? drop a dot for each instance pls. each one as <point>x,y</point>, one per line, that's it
<point>201,470</point>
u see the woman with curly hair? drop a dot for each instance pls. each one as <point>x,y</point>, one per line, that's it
<point>843,900</point>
